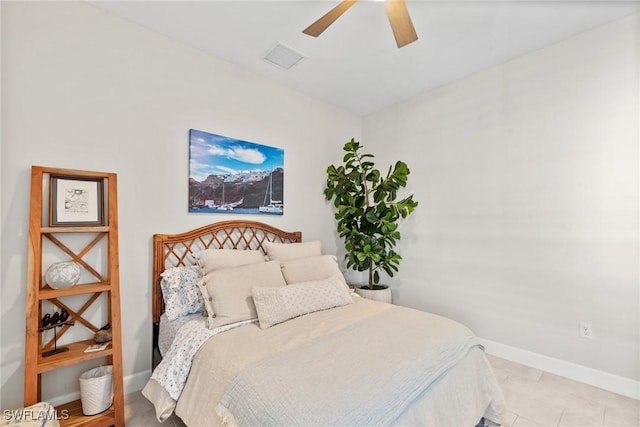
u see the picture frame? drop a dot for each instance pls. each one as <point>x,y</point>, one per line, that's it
<point>234,176</point>
<point>76,201</point>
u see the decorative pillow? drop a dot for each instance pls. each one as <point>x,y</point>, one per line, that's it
<point>180,291</point>
<point>216,259</point>
<point>311,268</point>
<point>229,291</point>
<point>279,304</point>
<point>287,251</point>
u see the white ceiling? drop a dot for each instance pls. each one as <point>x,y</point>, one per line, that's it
<point>355,63</point>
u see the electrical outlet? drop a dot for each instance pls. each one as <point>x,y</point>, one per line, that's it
<point>585,330</point>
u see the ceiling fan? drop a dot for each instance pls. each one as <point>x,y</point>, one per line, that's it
<point>397,12</point>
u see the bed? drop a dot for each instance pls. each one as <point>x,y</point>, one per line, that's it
<point>309,352</point>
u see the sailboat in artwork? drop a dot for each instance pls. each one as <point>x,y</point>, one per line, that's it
<point>228,206</point>
<point>274,206</point>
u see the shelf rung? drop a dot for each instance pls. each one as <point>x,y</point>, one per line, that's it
<point>75,355</point>
<point>75,229</point>
<point>89,288</point>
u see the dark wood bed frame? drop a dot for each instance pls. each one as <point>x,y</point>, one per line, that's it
<point>173,250</point>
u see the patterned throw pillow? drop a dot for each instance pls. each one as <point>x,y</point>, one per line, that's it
<point>180,291</point>
<point>278,304</point>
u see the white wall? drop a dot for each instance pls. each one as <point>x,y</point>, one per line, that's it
<point>83,89</point>
<point>527,178</point>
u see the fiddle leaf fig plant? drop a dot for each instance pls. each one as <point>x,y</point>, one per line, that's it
<point>367,210</point>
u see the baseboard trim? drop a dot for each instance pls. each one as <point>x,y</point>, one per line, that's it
<point>604,380</point>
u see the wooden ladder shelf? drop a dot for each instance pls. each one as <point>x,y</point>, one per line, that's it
<point>51,225</point>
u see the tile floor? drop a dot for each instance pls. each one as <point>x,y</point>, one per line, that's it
<point>537,398</point>
<point>533,398</point>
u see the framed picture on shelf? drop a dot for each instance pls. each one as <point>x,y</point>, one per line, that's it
<point>76,201</point>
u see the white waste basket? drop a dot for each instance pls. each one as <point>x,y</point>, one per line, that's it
<point>96,390</point>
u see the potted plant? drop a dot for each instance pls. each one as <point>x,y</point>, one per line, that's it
<point>368,213</point>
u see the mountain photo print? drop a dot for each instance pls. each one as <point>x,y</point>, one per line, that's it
<point>229,175</point>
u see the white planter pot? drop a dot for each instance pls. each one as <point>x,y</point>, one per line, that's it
<point>382,295</point>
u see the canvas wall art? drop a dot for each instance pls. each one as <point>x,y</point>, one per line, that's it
<point>228,175</point>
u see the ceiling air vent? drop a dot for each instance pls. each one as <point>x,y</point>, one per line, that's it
<point>283,56</point>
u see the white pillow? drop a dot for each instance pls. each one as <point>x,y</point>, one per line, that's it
<point>180,291</point>
<point>229,291</point>
<point>216,259</point>
<point>287,251</point>
<point>311,268</point>
<point>279,304</point>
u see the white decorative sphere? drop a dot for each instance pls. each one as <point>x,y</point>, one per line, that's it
<point>62,275</point>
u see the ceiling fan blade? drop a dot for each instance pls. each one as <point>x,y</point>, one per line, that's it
<point>328,18</point>
<point>400,22</point>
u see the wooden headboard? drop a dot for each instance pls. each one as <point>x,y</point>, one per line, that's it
<point>173,250</point>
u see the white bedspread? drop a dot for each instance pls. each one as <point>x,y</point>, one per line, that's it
<point>381,366</point>
<point>460,396</point>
